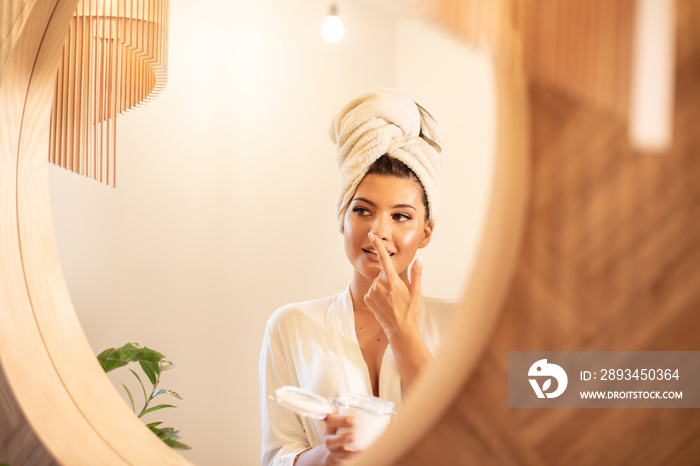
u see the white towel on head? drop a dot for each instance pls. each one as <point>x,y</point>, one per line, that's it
<point>380,122</point>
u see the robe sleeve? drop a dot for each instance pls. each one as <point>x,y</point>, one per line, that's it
<point>283,434</point>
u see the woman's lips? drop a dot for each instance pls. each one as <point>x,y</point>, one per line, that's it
<point>371,254</point>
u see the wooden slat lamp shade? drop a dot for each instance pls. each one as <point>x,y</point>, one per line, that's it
<point>114,59</point>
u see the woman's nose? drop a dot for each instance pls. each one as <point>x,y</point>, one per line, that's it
<point>381,228</point>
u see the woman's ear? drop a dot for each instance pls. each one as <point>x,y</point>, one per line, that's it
<point>427,234</point>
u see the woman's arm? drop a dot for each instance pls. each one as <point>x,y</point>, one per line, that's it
<point>396,305</point>
<point>411,354</point>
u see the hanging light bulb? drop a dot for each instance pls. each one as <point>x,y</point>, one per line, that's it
<point>332,29</point>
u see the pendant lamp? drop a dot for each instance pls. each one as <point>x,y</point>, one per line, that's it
<point>114,59</point>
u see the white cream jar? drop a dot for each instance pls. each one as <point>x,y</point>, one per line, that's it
<point>373,416</point>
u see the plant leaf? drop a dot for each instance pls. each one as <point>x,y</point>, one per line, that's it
<point>168,433</point>
<point>160,432</point>
<point>170,436</point>
<point>151,370</point>
<point>109,359</point>
<point>155,408</point>
<point>112,358</point>
<point>134,352</point>
<point>177,444</point>
<point>145,397</point>
<point>165,365</point>
<point>160,391</point>
<point>131,398</point>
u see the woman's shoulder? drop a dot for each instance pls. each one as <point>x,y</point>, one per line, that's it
<point>438,312</point>
<point>436,320</point>
<point>441,305</point>
<point>300,313</point>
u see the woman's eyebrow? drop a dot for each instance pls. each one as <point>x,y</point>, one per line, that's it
<point>397,206</point>
<point>366,201</point>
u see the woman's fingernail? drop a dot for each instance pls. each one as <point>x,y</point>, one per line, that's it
<point>419,262</point>
<point>370,236</point>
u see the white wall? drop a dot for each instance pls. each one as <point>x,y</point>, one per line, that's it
<point>456,86</point>
<point>226,186</point>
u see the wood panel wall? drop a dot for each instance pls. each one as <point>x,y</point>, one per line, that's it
<point>582,47</point>
<point>610,260</point>
<point>18,443</point>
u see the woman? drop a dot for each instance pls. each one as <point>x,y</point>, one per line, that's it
<point>377,335</point>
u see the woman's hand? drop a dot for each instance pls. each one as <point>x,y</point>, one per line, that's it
<point>337,444</point>
<point>396,306</point>
<point>394,303</point>
<point>335,449</point>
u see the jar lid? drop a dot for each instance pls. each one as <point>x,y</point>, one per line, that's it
<point>303,402</point>
<point>372,404</point>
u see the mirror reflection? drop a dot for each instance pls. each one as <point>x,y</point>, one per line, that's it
<point>224,208</point>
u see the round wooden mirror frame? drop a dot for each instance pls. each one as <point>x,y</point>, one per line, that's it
<point>71,405</point>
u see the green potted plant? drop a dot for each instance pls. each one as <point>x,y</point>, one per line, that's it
<point>152,364</point>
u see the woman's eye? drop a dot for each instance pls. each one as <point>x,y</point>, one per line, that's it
<point>402,217</point>
<point>360,211</point>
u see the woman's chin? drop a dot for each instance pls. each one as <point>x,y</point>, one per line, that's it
<point>370,270</point>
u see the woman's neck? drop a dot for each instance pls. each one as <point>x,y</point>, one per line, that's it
<point>358,289</point>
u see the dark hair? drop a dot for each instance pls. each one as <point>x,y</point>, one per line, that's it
<point>389,166</point>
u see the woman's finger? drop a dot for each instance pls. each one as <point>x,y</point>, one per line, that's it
<point>416,276</point>
<point>383,255</point>
<point>335,421</point>
<point>338,443</point>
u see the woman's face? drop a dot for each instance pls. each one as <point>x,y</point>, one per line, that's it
<point>391,208</point>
